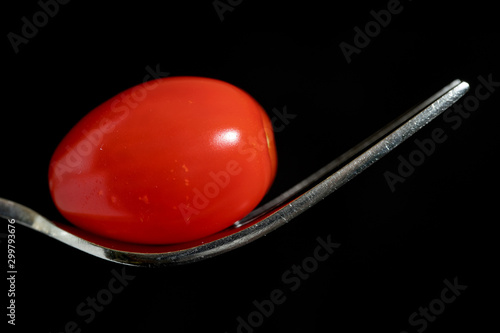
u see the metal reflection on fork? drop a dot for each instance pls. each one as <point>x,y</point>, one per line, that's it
<point>262,220</point>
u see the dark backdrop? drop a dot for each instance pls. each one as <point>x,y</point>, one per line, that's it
<point>398,246</point>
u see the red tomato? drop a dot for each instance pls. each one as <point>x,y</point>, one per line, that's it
<point>167,161</point>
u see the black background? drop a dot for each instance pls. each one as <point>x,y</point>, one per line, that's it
<point>397,247</point>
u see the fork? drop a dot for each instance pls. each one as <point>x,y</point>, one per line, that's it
<point>262,220</point>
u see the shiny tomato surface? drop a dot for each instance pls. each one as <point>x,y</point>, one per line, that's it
<point>167,161</point>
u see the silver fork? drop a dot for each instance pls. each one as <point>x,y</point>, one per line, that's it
<point>262,220</point>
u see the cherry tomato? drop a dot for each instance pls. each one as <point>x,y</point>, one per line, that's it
<point>167,161</point>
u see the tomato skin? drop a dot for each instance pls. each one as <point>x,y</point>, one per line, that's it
<point>167,161</point>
